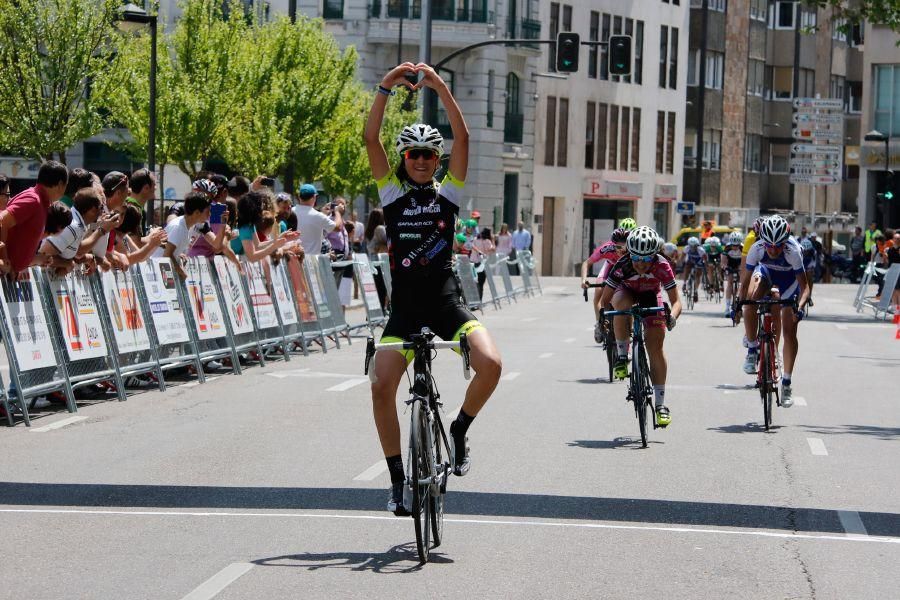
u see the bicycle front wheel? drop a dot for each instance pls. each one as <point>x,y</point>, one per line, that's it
<point>610,353</point>
<point>643,390</point>
<point>438,490</point>
<point>689,292</point>
<point>766,385</point>
<point>418,469</point>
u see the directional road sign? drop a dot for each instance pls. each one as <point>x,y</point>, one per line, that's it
<point>825,135</point>
<point>818,150</point>
<point>804,118</point>
<point>795,170</point>
<point>814,179</point>
<point>811,163</point>
<point>820,103</point>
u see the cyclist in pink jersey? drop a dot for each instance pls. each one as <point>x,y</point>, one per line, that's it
<point>607,254</point>
<point>640,278</point>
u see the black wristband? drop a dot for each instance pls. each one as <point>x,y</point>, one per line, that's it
<point>385,91</point>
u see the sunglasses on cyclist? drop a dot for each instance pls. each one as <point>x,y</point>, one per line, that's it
<point>639,258</point>
<point>417,153</point>
<point>773,246</point>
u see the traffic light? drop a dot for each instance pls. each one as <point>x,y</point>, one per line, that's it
<point>568,45</point>
<point>619,55</point>
<point>889,186</point>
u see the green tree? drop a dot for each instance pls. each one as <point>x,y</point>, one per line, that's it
<point>50,51</point>
<point>881,12</point>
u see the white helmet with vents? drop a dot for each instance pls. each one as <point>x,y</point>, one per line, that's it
<point>420,135</point>
<point>643,241</point>
<point>775,230</point>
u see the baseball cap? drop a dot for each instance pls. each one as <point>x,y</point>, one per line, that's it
<point>112,180</point>
<point>476,214</point>
<point>307,191</point>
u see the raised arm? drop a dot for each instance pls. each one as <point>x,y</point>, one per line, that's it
<point>378,160</point>
<point>459,158</point>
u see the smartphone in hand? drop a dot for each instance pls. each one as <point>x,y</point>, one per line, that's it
<point>216,211</point>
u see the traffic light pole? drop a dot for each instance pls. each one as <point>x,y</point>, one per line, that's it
<point>516,42</point>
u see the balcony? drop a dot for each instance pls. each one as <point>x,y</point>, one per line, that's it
<point>440,11</point>
<point>512,128</point>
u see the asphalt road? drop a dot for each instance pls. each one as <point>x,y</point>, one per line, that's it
<point>271,485</point>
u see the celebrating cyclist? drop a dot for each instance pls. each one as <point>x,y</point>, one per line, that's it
<point>731,265</point>
<point>775,260</point>
<point>694,256</point>
<point>608,254</point>
<point>639,278</point>
<point>419,216</point>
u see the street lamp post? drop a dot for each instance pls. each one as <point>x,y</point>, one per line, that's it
<point>132,17</point>
<point>877,136</point>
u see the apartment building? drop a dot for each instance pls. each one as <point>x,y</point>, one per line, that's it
<point>608,147</point>
<point>748,60</point>
<point>880,113</point>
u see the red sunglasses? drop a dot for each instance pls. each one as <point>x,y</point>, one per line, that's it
<point>417,153</point>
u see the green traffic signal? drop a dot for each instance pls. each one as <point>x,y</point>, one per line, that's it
<point>889,195</point>
<point>568,45</point>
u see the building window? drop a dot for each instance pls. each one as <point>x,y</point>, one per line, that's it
<point>783,14</point>
<point>333,9</point>
<point>753,153</point>
<point>639,52</point>
<point>857,34</point>
<point>635,139</point>
<point>623,143</point>
<point>779,81</point>
<point>616,30</point>
<point>808,18</point>
<point>712,148</point>
<point>513,119</point>
<point>715,69</point>
<point>779,159</point>
<point>759,10</point>
<point>807,83</point>
<point>887,99</point>
<point>670,143</point>
<point>668,56</point>
<point>661,218</point>
<point>603,125</point>
<point>854,96</point>
<point>550,132</point>
<point>756,72</point>
<point>690,149</point>
<point>839,29</point>
<point>590,125</point>
<point>604,52</point>
<point>665,142</point>
<point>660,140</point>
<point>562,146</point>
<point>554,31</point>
<point>629,31</point>
<point>613,136</point>
<point>490,99</point>
<point>594,51</point>
<point>837,89</point>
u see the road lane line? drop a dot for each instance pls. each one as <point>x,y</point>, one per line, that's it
<point>346,385</point>
<point>817,447</point>
<point>218,582</point>
<point>372,472</point>
<point>209,379</point>
<point>841,327</point>
<point>57,424</point>
<point>568,340</point>
<point>402,522</point>
<point>851,522</point>
<point>546,355</point>
<point>510,376</point>
<point>529,319</point>
<point>799,401</point>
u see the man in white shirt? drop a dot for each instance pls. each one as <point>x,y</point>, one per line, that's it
<point>72,244</point>
<point>183,231</point>
<point>312,224</point>
<point>521,238</point>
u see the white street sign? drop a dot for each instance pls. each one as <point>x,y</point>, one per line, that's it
<point>818,118</point>
<point>808,171</point>
<point>810,163</point>
<point>820,103</point>
<point>820,151</point>
<point>814,179</point>
<point>830,135</point>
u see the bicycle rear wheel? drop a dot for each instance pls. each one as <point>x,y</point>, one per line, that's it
<point>438,490</point>
<point>689,292</point>
<point>610,351</point>
<point>418,469</point>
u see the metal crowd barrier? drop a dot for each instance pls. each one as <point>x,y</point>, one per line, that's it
<point>365,278</point>
<point>467,280</point>
<point>230,285</point>
<point>288,312</point>
<point>257,276</point>
<point>323,306</point>
<point>332,298</point>
<point>305,301</point>
<point>386,272</point>
<point>208,327</point>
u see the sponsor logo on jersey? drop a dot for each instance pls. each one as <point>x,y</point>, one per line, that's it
<point>406,262</point>
<point>418,210</point>
<point>437,248</point>
<point>417,224</point>
<point>410,236</point>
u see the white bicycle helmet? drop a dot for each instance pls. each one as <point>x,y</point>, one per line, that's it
<point>693,241</point>
<point>420,135</point>
<point>669,248</point>
<point>714,241</point>
<point>775,230</point>
<point>643,241</point>
<point>736,239</point>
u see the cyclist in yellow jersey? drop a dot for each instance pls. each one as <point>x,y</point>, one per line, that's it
<point>748,242</point>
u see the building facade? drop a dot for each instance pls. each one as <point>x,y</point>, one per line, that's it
<point>749,59</point>
<point>881,113</point>
<point>608,147</point>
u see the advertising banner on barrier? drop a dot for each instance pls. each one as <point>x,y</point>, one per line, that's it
<point>301,291</point>
<point>78,316</point>
<point>201,293</point>
<point>235,299</point>
<point>312,268</point>
<point>168,319</point>
<point>280,287</point>
<point>367,281</point>
<point>24,314</point>
<point>128,324</point>
<point>266,317</point>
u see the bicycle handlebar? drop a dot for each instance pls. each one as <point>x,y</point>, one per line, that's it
<point>421,342</point>
<point>638,311</point>
<point>592,285</point>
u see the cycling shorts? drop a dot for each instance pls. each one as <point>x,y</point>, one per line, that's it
<point>733,265</point>
<point>440,309</point>
<point>696,261</point>
<point>649,300</point>
<point>786,281</point>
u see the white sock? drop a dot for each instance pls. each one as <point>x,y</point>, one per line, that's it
<point>659,395</point>
<point>753,346</point>
<point>622,349</point>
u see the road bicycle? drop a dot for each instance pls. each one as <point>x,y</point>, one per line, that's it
<point>689,286</point>
<point>428,464</point>
<point>766,368</point>
<point>640,390</point>
<point>735,284</point>
<point>714,285</point>
<point>609,339</point>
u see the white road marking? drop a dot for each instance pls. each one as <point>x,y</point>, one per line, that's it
<point>817,447</point>
<point>851,522</point>
<point>529,319</point>
<point>402,522</point>
<point>510,376</point>
<point>312,374</point>
<point>346,385</point>
<point>841,327</point>
<point>372,472</point>
<point>58,424</point>
<point>546,355</point>
<point>568,340</point>
<point>218,582</point>
<point>799,401</point>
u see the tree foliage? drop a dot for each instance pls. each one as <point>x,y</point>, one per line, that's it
<point>50,51</point>
<point>878,12</point>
